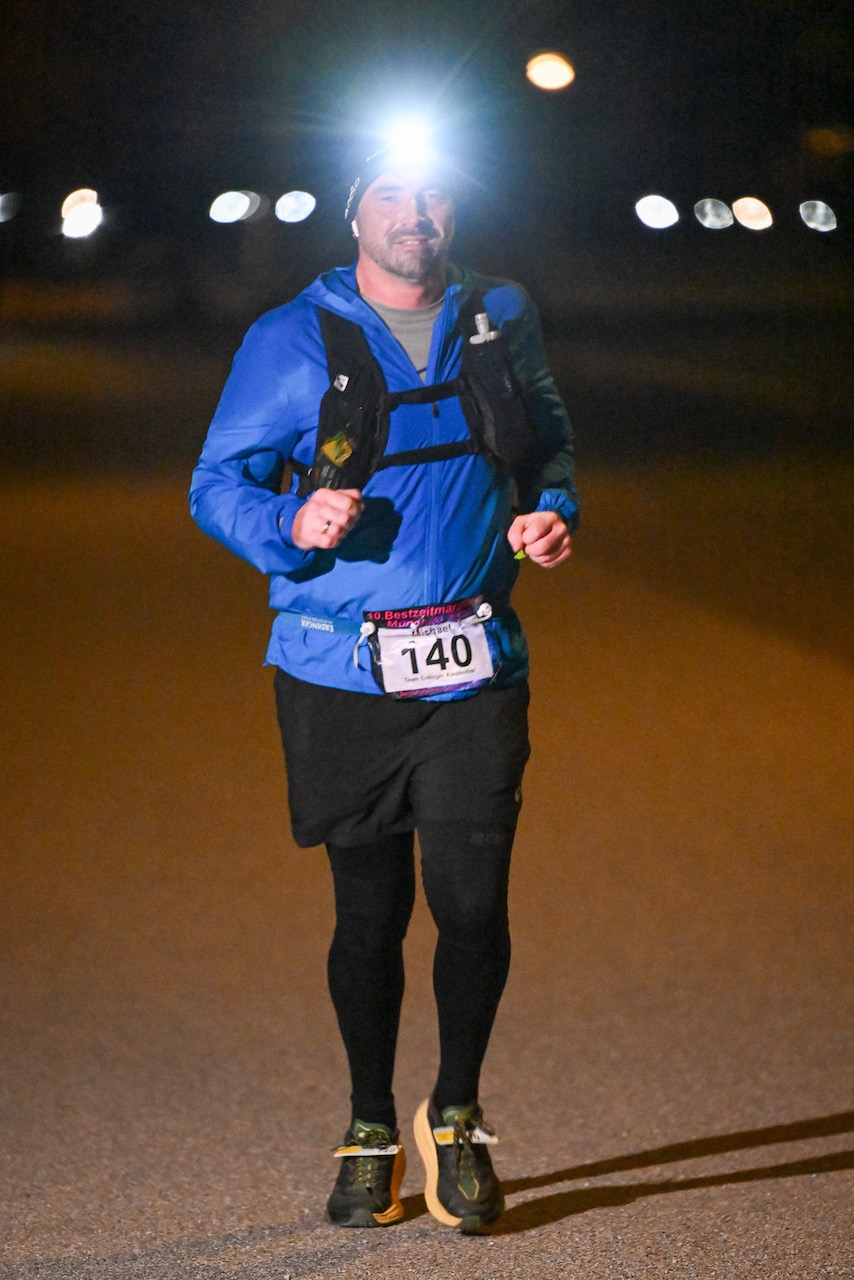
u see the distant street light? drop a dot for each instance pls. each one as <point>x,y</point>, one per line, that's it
<point>657,212</point>
<point>752,213</point>
<point>234,206</point>
<point>10,203</point>
<point>83,195</point>
<point>550,71</point>
<point>818,216</point>
<point>713,214</point>
<point>830,142</point>
<point>81,213</point>
<point>295,206</point>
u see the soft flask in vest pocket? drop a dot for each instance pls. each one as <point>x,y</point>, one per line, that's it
<point>492,400</point>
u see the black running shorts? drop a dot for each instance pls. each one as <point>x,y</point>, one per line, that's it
<point>361,766</point>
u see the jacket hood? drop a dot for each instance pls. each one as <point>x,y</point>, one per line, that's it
<point>337,290</point>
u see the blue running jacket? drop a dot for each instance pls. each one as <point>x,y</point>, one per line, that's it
<point>431,533</point>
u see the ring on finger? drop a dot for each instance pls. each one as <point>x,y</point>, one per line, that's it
<point>327,526</point>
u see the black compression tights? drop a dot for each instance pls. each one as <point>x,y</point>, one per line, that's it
<point>465,870</point>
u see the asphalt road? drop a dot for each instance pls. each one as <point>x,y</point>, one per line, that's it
<point>671,1070</point>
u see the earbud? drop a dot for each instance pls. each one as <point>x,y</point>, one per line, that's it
<point>355,229</point>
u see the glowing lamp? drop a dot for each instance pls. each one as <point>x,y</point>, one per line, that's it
<point>409,144</point>
<point>752,213</point>
<point>818,216</point>
<point>713,214</point>
<point>234,206</point>
<point>81,214</point>
<point>83,195</point>
<point>10,203</point>
<point>830,142</point>
<point>657,212</point>
<point>550,71</point>
<point>295,206</point>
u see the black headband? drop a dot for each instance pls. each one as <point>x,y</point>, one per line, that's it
<point>367,172</point>
<point>365,169</point>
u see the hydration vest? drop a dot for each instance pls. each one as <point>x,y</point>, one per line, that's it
<point>355,411</point>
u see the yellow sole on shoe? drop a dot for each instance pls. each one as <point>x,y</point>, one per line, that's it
<point>395,1210</point>
<point>427,1151</point>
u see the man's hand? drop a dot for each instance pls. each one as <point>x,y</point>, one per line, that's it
<point>543,536</point>
<point>326,518</point>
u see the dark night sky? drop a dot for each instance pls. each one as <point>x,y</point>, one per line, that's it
<point>175,99</point>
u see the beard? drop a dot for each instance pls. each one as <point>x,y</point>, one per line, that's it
<point>414,261</point>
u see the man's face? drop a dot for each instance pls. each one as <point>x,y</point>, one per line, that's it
<point>405,224</point>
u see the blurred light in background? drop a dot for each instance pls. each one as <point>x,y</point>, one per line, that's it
<point>234,206</point>
<point>657,212</point>
<point>10,203</point>
<point>752,213</point>
<point>83,195</point>
<point>818,215</point>
<point>81,213</point>
<point>830,142</point>
<point>82,221</point>
<point>295,206</point>
<point>713,214</point>
<point>550,71</point>
<point>257,205</point>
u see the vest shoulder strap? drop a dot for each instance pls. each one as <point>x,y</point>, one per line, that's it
<point>347,349</point>
<point>346,346</point>
<point>357,405</point>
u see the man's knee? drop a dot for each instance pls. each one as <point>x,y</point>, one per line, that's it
<point>465,867</point>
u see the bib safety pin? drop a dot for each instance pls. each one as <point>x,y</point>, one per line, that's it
<point>365,630</point>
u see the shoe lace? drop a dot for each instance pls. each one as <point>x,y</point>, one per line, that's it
<point>366,1168</point>
<point>465,1156</point>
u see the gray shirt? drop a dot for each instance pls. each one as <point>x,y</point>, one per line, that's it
<point>413,328</point>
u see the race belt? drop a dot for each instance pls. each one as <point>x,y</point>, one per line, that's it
<point>429,649</point>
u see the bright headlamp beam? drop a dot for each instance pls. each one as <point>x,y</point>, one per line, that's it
<point>409,144</point>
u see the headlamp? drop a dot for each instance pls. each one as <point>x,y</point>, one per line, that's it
<point>405,146</point>
<point>409,144</point>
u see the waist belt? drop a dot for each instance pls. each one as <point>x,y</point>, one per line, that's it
<point>311,622</point>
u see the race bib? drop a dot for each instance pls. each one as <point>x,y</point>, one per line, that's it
<point>431,648</point>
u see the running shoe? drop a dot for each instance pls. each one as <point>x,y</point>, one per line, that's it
<point>461,1188</point>
<point>367,1189</point>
